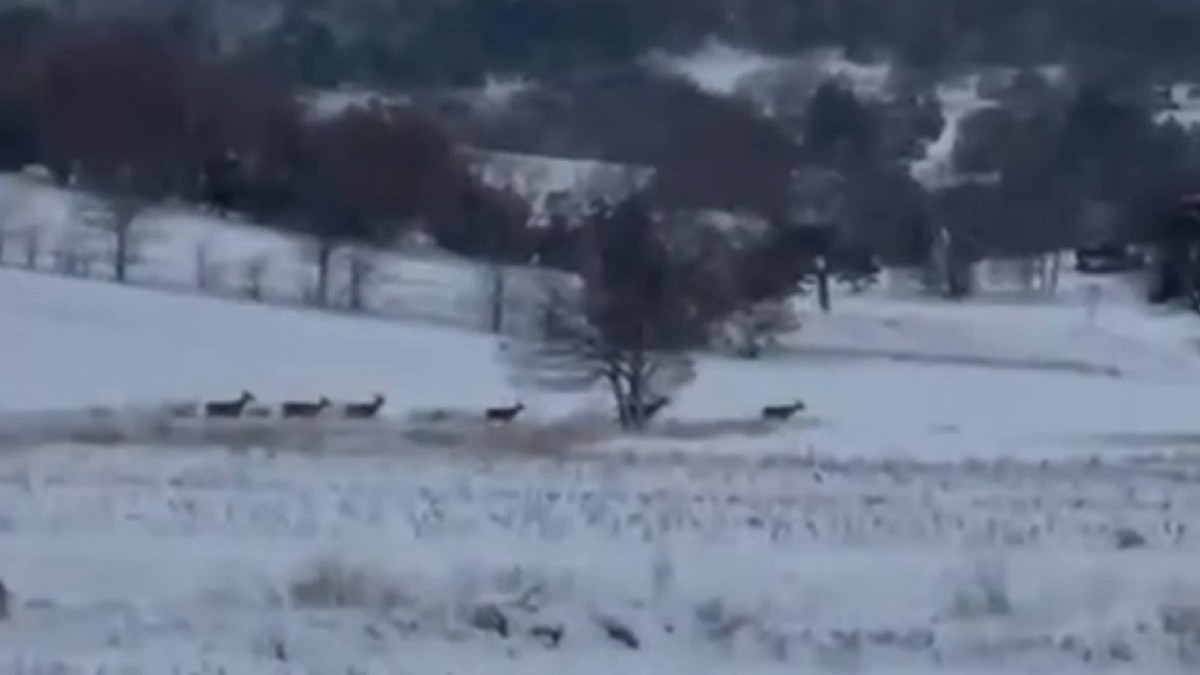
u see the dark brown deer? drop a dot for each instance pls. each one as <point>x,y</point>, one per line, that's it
<point>782,412</point>
<point>649,410</point>
<point>291,409</point>
<point>228,408</point>
<point>362,411</point>
<point>504,414</point>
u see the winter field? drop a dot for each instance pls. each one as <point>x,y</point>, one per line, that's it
<point>1005,485</point>
<point>987,487</point>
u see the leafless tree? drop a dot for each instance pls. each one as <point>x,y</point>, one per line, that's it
<point>125,232</point>
<point>632,324</point>
<point>320,251</point>
<point>33,245</point>
<point>6,232</point>
<point>367,175</point>
<point>568,352</point>
<point>114,102</point>
<point>75,252</point>
<point>362,266</point>
<point>496,281</point>
<point>14,211</point>
<point>204,264</point>
<point>492,225</point>
<point>254,273</point>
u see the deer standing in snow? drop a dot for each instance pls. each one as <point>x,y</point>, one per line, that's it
<point>291,409</point>
<point>228,408</point>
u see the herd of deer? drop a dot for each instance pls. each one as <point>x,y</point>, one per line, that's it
<point>771,413</point>
<point>240,407</point>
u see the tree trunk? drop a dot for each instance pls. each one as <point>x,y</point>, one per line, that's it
<point>202,266</point>
<point>1054,273</point>
<point>635,401</point>
<point>360,272</point>
<point>325,250</point>
<point>32,248</point>
<point>497,298</point>
<point>124,213</point>
<point>121,261</point>
<point>823,284</point>
<point>618,392</point>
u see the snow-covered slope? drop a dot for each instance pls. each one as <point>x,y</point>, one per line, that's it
<point>181,249</point>
<point>721,544</point>
<point>878,375</point>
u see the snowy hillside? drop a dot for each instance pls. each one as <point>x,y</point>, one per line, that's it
<point>859,538</point>
<point>725,70</point>
<point>175,248</point>
<point>74,344</point>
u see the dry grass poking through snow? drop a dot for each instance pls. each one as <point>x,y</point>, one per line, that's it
<point>443,430</point>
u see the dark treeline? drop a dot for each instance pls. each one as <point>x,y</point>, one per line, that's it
<point>409,42</point>
<point>197,99</point>
<point>133,112</point>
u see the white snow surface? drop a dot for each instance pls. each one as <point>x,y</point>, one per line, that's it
<point>156,560</point>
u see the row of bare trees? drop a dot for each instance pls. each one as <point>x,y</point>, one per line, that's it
<point>135,116</point>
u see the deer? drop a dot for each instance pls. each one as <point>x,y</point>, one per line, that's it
<point>365,410</point>
<point>228,408</point>
<point>649,410</point>
<point>304,408</point>
<point>504,414</point>
<point>782,412</point>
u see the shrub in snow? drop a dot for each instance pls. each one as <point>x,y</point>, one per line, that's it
<point>253,276</point>
<point>1182,622</point>
<point>754,329</point>
<point>717,623</point>
<point>1120,650</point>
<point>551,635</point>
<point>1128,538</point>
<point>332,584</point>
<point>663,576</point>
<point>619,632</point>
<point>984,594</point>
<point>490,619</point>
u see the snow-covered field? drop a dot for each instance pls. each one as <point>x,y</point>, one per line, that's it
<point>976,487</point>
<point>880,376</point>
<point>994,486</point>
<point>1000,485</point>
<point>207,561</point>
